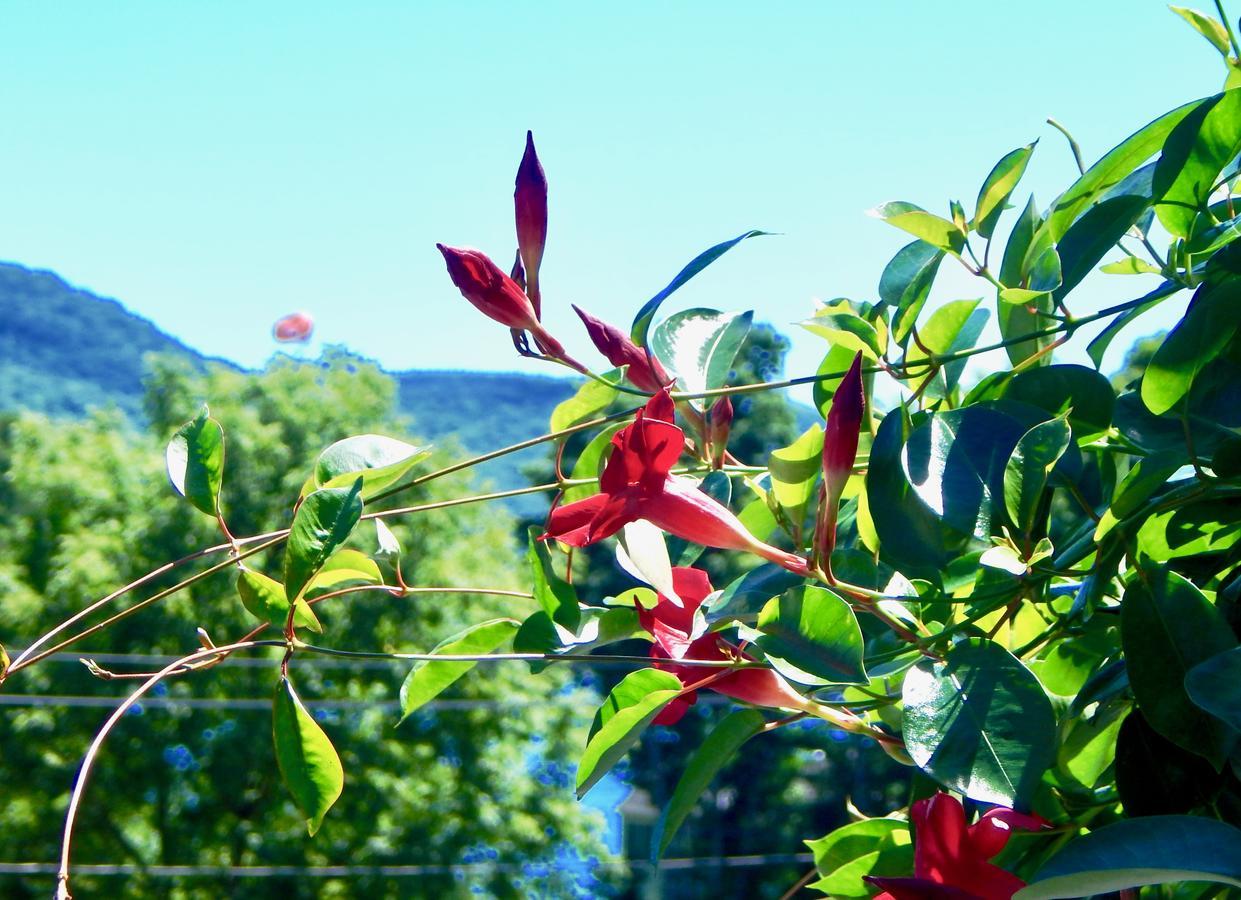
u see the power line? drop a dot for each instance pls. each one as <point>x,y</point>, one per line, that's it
<point>397,871</point>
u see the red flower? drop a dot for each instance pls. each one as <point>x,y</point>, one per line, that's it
<point>644,371</point>
<point>495,294</point>
<point>672,627</point>
<point>293,328</point>
<point>530,208</point>
<point>951,858</point>
<point>637,484</point>
<point>840,438</point>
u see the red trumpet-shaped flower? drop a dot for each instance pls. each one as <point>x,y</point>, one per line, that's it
<point>530,209</point>
<point>644,371</point>
<point>637,484</point>
<point>495,294</point>
<point>951,859</point>
<point>840,439</point>
<point>672,628</point>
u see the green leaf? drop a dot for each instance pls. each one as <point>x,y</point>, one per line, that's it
<point>906,283</point>
<point>715,752</point>
<point>1215,686</point>
<point>811,636</point>
<point>953,327</point>
<point>998,187</point>
<point>745,597</point>
<point>1099,344</point>
<point>1147,475</point>
<point>1155,777</point>
<point>1130,265</point>
<point>1194,154</point>
<point>646,315</point>
<point>1089,748</point>
<point>628,710</point>
<point>1210,322</point>
<point>1207,26</point>
<point>428,678</point>
<point>265,599</point>
<point>323,522</point>
<point>195,461</point>
<point>1210,526</point>
<point>380,461</point>
<point>794,470</point>
<point>980,723</point>
<point>557,597</point>
<point>870,847</point>
<point>589,463</point>
<point>936,231</point>
<point>1135,852</point>
<point>1090,238</point>
<point>1025,476</point>
<point>389,546</point>
<point>1167,627</point>
<point>344,568</point>
<point>1083,392</point>
<point>1016,319</point>
<point>308,761</point>
<point>1112,169</point>
<point>592,398</point>
<point>845,329</point>
<point>698,347</point>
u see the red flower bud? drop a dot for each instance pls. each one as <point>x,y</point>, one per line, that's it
<point>645,372</point>
<point>495,294</point>
<point>840,439</point>
<point>719,423</point>
<point>530,207</point>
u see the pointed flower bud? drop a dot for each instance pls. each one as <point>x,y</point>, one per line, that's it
<point>645,372</point>
<point>719,423</point>
<point>495,294</point>
<point>840,439</point>
<point>530,208</point>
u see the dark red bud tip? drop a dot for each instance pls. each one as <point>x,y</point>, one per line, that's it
<point>844,422</point>
<point>644,372</point>
<point>530,211</point>
<point>486,286</point>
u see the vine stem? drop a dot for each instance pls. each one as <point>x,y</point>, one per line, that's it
<point>88,761</point>
<point>522,657</point>
<point>1232,35</point>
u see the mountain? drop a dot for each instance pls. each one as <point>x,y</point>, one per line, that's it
<point>64,350</point>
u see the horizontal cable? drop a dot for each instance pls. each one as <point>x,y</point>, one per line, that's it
<point>398,871</point>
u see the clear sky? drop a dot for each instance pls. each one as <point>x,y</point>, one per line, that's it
<point>215,165</point>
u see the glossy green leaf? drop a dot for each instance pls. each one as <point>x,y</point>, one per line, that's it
<point>716,751</point>
<point>953,327</point>
<point>323,522</point>
<point>590,462</point>
<point>1012,266</point>
<point>1099,344</point>
<point>1135,852</point>
<point>698,346</point>
<point>1112,169</point>
<point>265,599</point>
<point>1026,317</point>
<point>1194,154</point>
<point>980,723</point>
<point>628,710</point>
<point>795,470</point>
<point>1210,322</point>
<point>745,597</point>
<point>591,399</point>
<point>1215,686</point>
<point>1146,477</point>
<point>344,568</point>
<point>906,283</point>
<point>1210,526</point>
<point>1208,26</point>
<point>557,596</point>
<point>845,329</point>
<point>646,315</point>
<point>428,678</point>
<point>835,363</point>
<point>1130,265</point>
<point>1089,747</point>
<point>1167,627</point>
<point>308,762</point>
<point>195,461</point>
<point>380,461</point>
<point>1086,395</point>
<point>870,847</point>
<point>936,231</point>
<point>1093,236</point>
<point>811,636</point>
<point>1025,476</point>
<point>998,187</point>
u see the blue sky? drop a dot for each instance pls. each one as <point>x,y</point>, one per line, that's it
<point>214,166</point>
